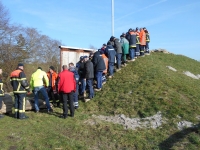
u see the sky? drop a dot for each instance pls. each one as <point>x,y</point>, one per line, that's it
<point>173,25</point>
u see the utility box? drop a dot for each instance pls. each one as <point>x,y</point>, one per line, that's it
<point>72,54</point>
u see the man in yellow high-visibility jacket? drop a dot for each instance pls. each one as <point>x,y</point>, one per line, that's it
<point>37,85</point>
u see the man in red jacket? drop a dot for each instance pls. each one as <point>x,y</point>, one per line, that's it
<point>66,89</point>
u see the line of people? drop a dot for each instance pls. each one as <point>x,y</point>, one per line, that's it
<point>72,83</point>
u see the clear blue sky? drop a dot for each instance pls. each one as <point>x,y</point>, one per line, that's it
<point>173,24</point>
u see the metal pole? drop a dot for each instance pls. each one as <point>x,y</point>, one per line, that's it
<point>112,17</point>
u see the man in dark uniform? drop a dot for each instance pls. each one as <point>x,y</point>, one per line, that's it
<point>20,88</point>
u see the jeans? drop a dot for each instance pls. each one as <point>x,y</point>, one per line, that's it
<point>42,90</point>
<point>111,68</point>
<point>98,75</point>
<point>132,53</point>
<point>76,96</point>
<point>82,86</point>
<point>89,83</point>
<point>119,59</point>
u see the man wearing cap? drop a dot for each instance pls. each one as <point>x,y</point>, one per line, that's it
<point>80,67</point>
<point>99,67</point>
<point>20,88</point>
<point>66,89</point>
<point>110,53</point>
<point>1,94</point>
<point>37,85</point>
<point>131,37</point>
<point>74,70</point>
<point>52,91</point>
<point>89,76</point>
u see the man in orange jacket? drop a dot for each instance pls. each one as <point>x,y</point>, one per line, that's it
<point>142,36</point>
<point>52,92</point>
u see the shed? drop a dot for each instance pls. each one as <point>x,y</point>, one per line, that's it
<point>72,54</point>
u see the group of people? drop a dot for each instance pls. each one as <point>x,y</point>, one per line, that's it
<point>73,81</point>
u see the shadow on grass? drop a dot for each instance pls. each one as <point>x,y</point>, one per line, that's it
<point>177,137</point>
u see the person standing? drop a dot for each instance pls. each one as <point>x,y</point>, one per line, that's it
<point>20,88</point>
<point>37,85</point>
<point>88,77</point>
<point>142,41</point>
<point>66,89</point>
<point>118,49</point>
<point>125,48</point>
<point>131,37</point>
<point>137,53</point>
<point>110,53</point>
<point>106,64</point>
<point>52,92</point>
<point>147,41</point>
<point>99,67</point>
<point>82,82</point>
<point>73,69</point>
<point>1,95</point>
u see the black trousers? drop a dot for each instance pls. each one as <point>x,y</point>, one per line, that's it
<point>67,98</point>
<point>19,105</point>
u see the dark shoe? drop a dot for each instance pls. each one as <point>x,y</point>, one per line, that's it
<point>24,117</point>
<point>50,110</point>
<point>71,115</point>
<point>76,107</point>
<point>1,116</point>
<point>63,116</point>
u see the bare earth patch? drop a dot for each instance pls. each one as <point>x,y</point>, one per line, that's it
<point>133,123</point>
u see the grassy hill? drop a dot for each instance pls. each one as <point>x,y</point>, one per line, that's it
<point>140,90</point>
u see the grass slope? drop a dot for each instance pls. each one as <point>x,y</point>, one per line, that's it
<point>141,89</point>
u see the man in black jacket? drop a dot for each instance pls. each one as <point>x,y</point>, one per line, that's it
<point>118,49</point>
<point>80,67</point>
<point>89,76</point>
<point>99,67</point>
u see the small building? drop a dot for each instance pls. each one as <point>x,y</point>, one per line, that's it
<point>72,54</point>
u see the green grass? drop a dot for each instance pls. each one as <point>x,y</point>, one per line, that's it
<point>141,89</point>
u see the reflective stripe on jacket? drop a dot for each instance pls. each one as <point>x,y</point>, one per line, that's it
<point>18,81</point>
<point>1,88</point>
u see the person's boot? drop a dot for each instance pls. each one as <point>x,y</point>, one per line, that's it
<point>16,115</point>
<point>23,116</point>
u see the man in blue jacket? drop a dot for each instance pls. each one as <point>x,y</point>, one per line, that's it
<point>110,53</point>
